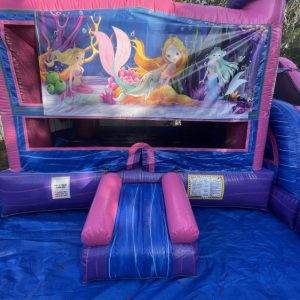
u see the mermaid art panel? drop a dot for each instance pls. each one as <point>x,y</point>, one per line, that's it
<point>136,63</point>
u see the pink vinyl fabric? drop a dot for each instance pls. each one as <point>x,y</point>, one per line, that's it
<point>165,5</point>
<point>181,221</point>
<point>257,12</point>
<point>100,222</point>
<point>132,156</point>
<point>267,97</point>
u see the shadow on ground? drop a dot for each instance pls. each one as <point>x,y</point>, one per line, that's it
<point>3,156</point>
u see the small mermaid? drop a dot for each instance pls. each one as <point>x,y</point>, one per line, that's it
<point>218,73</point>
<point>74,58</point>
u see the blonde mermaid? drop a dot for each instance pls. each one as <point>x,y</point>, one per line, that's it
<point>171,63</point>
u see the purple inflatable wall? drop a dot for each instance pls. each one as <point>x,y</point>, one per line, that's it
<point>35,193</point>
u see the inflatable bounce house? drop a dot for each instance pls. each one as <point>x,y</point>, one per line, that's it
<point>139,110</point>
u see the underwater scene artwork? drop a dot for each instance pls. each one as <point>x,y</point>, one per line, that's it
<point>137,63</point>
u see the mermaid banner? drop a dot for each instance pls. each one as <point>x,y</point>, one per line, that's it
<point>135,63</point>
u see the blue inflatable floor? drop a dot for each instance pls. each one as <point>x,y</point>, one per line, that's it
<point>244,255</point>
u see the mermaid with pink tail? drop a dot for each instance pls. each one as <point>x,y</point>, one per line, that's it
<point>113,63</point>
<point>154,88</point>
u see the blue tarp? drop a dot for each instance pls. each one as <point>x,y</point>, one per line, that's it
<point>244,255</point>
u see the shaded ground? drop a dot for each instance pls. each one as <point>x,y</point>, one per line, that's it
<point>3,156</point>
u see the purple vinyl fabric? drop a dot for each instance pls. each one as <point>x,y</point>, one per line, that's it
<point>248,189</point>
<point>32,193</point>
<point>282,156</point>
<point>185,259</point>
<point>95,262</point>
<point>238,3</point>
<point>284,205</point>
<point>23,193</point>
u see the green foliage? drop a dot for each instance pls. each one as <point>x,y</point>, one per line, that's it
<point>206,2</point>
<point>290,46</point>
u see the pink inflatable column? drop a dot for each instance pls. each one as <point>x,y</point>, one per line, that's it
<point>181,221</point>
<point>100,222</point>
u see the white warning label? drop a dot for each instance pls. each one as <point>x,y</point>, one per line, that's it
<point>206,187</point>
<point>60,187</point>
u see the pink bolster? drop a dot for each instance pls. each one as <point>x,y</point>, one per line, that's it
<point>100,222</point>
<point>181,221</point>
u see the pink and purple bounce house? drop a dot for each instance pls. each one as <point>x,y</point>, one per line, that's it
<point>138,110</point>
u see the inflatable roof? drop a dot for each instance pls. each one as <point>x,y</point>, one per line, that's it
<point>249,55</point>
